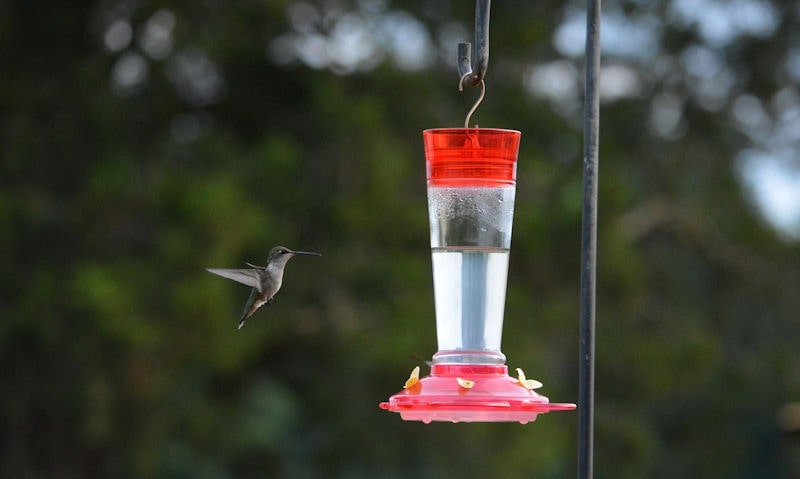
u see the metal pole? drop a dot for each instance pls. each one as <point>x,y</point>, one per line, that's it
<point>469,75</point>
<point>589,243</point>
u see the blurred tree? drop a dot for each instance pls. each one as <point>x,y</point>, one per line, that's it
<point>144,141</point>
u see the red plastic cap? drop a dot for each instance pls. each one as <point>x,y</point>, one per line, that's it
<point>470,393</point>
<point>471,156</point>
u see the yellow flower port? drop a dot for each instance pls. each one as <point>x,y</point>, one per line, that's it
<point>465,383</point>
<point>527,383</point>
<point>412,379</point>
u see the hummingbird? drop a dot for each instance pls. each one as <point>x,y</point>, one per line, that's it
<point>265,280</point>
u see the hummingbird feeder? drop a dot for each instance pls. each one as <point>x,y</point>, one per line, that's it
<point>471,176</point>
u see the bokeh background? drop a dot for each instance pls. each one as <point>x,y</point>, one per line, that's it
<point>143,141</point>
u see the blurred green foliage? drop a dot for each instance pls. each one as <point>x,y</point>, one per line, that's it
<point>144,141</point>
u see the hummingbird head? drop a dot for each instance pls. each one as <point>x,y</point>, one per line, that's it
<point>281,254</point>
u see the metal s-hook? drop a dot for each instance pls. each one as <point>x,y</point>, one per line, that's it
<point>469,75</point>
<point>477,102</point>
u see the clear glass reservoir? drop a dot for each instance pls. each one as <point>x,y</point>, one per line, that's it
<point>471,177</point>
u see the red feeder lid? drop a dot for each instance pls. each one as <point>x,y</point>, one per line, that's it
<point>463,157</point>
<point>470,393</point>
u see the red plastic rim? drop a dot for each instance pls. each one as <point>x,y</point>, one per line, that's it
<point>470,393</point>
<point>471,156</point>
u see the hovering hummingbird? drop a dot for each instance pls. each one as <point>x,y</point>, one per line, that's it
<point>265,280</point>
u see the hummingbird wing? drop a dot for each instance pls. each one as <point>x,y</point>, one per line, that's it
<point>247,277</point>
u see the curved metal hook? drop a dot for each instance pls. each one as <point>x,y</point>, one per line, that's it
<point>467,74</point>
<point>477,102</point>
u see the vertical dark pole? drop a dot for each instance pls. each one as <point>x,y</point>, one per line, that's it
<point>589,243</point>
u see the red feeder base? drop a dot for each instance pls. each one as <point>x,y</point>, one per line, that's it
<point>470,393</point>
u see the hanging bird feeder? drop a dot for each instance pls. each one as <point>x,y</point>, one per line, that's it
<point>471,175</point>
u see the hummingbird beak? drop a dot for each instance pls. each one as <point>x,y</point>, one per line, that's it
<point>307,253</point>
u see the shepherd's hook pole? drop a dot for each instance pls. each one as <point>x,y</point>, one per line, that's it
<point>591,141</point>
<point>469,73</point>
